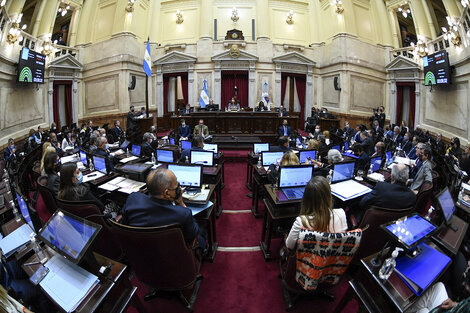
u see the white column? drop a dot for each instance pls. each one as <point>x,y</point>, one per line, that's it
<point>51,99</point>
<point>251,86</point>
<point>159,92</point>
<point>308,93</point>
<point>191,84</point>
<point>171,94</point>
<point>277,99</point>
<point>218,85</point>
<point>417,99</point>
<point>75,100</point>
<point>393,102</point>
<point>72,39</point>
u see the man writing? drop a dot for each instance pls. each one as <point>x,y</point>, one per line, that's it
<point>184,131</point>
<point>201,129</point>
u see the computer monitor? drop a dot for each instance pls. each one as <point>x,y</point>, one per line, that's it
<point>447,205</point>
<point>100,164</point>
<point>172,140</point>
<point>304,155</point>
<point>187,175</point>
<point>346,145</point>
<point>25,211</point>
<point>205,158</point>
<point>136,149</point>
<point>294,176</point>
<point>409,231</point>
<point>389,157</point>
<point>83,157</point>
<point>125,144</point>
<point>211,147</point>
<point>69,235</point>
<point>376,163</point>
<point>336,147</point>
<point>270,157</point>
<point>185,144</point>
<point>166,156</point>
<point>343,171</point>
<point>260,147</point>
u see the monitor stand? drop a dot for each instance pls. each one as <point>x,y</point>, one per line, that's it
<point>455,228</point>
<point>89,263</point>
<point>413,253</point>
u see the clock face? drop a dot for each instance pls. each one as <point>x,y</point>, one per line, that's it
<point>234,35</point>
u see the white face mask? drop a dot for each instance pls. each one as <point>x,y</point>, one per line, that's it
<point>183,124</point>
<point>317,130</point>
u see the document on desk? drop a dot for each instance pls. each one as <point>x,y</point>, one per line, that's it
<point>201,196</point>
<point>419,272</point>
<point>376,177</point>
<point>69,158</point>
<point>112,184</point>
<point>195,209</point>
<point>131,158</point>
<point>17,239</point>
<point>349,189</point>
<point>405,161</point>
<point>129,186</point>
<point>67,283</point>
<point>92,176</point>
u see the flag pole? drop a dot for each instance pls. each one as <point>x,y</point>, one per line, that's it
<point>147,90</point>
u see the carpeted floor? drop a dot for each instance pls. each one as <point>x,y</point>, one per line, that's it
<point>241,281</point>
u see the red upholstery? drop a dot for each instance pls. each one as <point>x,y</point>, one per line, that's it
<point>46,194</point>
<point>302,133</point>
<point>424,198</point>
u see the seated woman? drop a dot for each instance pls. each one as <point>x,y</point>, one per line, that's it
<point>313,144</point>
<point>71,186</point>
<point>51,169</point>
<point>316,212</point>
<point>45,152</point>
<point>261,107</point>
<point>334,156</point>
<point>289,158</point>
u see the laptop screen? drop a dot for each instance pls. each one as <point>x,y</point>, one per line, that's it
<point>376,162</point>
<point>185,144</point>
<point>187,175</point>
<point>297,176</point>
<point>100,164</point>
<point>337,147</point>
<point>389,157</point>
<point>69,234</point>
<point>205,158</point>
<point>172,140</point>
<point>24,210</point>
<point>447,204</point>
<point>125,144</point>
<point>343,171</point>
<point>307,154</point>
<point>346,145</point>
<point>165,155</point>
<point>211,147</point>
<point>410,230</point>
<point>83,157</point>
<point>136,150</point>
<point>268,157</point>
<point>260,147</point>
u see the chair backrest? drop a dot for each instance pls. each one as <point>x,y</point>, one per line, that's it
<point>107,243</point>
<point>47,195</point>
<point>159,255</point>
<point>373,237</point>
<point>424,198</point>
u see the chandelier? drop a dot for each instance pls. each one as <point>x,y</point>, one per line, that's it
<point>404,9</point>
<point>14,34</point>
<point>63,8</point>
<point>452,33</point>
<point>235,16</point>
<point>47,47</point>
<point>420,48</point>
<point>339,9</point>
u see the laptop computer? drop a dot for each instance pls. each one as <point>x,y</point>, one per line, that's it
<point>136,150</point>
<point>343,171</point>
<point>165,156</point>
<point>389,158</point>
<point>305,155</point>
<point>100,164</point>
<point>211,147</point>
<point>270,157</point>
<point>293,179</point>
<point>172,140</point>
<point>346,145</point>
<point>336,147</point>
<point>447,206</point>
<point>83,158</point>
<point>376,163</point>
<point>187,175</point>
<point>409,231</point>
<point>205,158</point>
<point>260,147</point>
<point>125,144</point>
<point>185,144</point>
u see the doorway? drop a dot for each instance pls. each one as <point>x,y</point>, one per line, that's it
<point>406,106</point>
<point>62,103</point>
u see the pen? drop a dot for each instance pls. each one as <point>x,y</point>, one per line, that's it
<point>32,263</point>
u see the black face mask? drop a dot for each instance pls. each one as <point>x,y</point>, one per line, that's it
<point>178,192</point>
<point>132,110</point>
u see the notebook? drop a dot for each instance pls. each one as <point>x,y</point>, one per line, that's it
<point>293,179</point>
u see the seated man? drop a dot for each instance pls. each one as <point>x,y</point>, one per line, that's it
<point>147,149</point>
<point>283,145</point>
<point>347,130</point>
<point>93,147</point>
<point>424,173</point>
<point>362,164</point>
<point>367,143</point>
<point>54,142</point>
<point>163,206</point>
<point>201,129</point>
<point>187,110</point>
<point>233,105</point>
<point>184,131</point>
<point>102,150</point>
<point>317,132</point>
<point>10,150</point>
<point>379,149</point>
<point>196,144</point>
<point>395,195</point>
<point>284,129</point>
<point>282,111</point>
<point>397,138</point>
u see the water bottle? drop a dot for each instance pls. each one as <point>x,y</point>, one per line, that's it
<point>329,177</point>
<point>153,158</point>
<point>389,265</point>
<point>92,166</point>
<point>370,170</point>
<point>187,159</point>
<point>259,165</point>
<point>428,215</point>
<point>15,211</point>
<point>127,152</point>
<point>37,248</point>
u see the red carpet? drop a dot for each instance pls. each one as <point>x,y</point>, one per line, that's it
<point>241,282</point>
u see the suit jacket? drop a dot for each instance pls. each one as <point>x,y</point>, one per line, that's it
<point>197,130</point>
<point>281,131</point>
<point>187,112</point>
<point>7,155</point>
<point>38,136</point>
<point>109,162</point>
<point>348,131</point>
<point>397,139</point>
<point>117,133</point>
<point>147,149</point>
<point>283,112</point>
<point>407,146</point>
<point>392,196</point>
<point>424,174</point>
<point>184,131</point>
<point>412,153</point>
<point>131,120</point>
<point>368,145</point>
<point>144,211</point>
<point>53,183</point>
<point>187,153</point>
<point>363,162</point>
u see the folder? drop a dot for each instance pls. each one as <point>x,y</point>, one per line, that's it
<point>419,272</point>
<point>16,240</point>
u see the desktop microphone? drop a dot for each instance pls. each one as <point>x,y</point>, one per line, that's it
<point>377,260</point>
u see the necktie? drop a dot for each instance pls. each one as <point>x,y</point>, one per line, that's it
<point>200,130</point>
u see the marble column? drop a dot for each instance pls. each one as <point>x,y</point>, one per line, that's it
<point>394,28</point>
<point>308,94</point>
<point>50,98</point>
<point>159,91</point>
<point>75,99</point>
<point>48,18</point>
<point>16,7</point>
<point>217,84</point>
<point>278,78</point>
<point>39,10</point>
<point>205,19</point>
<point>393,102</point>
<point>262,20</point>
<point>191,99</point>
<point>451,8</point>
<point>386,27</point>
<point>419,19</point>
<point>72,40</point>
<point>431,26</point>
<point>251,86</point>
<point>84,28</point>
<point>417,100</point>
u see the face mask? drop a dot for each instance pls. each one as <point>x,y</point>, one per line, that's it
<point>317,130</point>
<point>80,178</point>
<point>107,146</point>
<point>178,192</point>
<point>375,148</point>
<point>132,110</point>
<point>151,140</point>
<point>183,124</point>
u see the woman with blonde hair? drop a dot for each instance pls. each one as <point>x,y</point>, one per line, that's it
<point>289,158</point>
<point>46,151</point>
<point>313,144</point>
<point>316,212</point>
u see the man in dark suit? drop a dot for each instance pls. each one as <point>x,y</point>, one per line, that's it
<point>39,134</point>
<point>187,110</point>
<point>413,148</point>
<point>131,119</point>
<point>117,130</point>
<point>163,206</point>
<point>392,196</point>
<point>102,150</point>
<point>424,174</point>
<point>282,111</point>
<point>363,162</point>
<point>197,144</point>
<point>348,131</point>
<point>10,150</point>
<point>284,129</point>
<point>408,144</point>
<point>397,138</point>
<point>283,145</point>
<point>184,131</point>
<point>379,149</point>
<point>147,149</point>
<point>367,143</point>
<point>54,143</point>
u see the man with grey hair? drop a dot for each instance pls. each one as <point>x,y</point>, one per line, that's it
<point>147,149</point>
<point>92,148</point>
<point>102,150</point>
<point>397,138</point>
<point>392,196</point>
<point>163,206</point>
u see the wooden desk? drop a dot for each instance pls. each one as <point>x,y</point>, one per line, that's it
<point>251,159</point>
<point>276,213</point>
<point>259,179</point>
<point>213,175</point>
<point>327,123</point>
<point>449,239</point>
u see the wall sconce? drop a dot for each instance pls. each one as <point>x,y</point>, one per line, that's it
<point>14,33</point>
<point>130,6</point>
<point>179,17</point>
<point>47,47</point>
<point>464,3</point>
<point>420,48</point>
<point>339,6</point>
<point>235,16</point>
<point>3,3</point>
<point>453,33</point>
<point>404,9</point>
<point>290,17</point>
<point>63,8</point>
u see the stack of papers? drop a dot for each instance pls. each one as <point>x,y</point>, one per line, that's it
<point>376,177</point>
<point>405,161</point>
<point>67,283</point>
<point>131,158</point>
<point>122,184</point>
<point>195,209</point>
<point>91,176</point>
<point>201,196</point>
<point>349,189</point>
<point>69,158</point>
<point>16,240</point>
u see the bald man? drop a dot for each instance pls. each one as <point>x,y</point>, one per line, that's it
<point>163,206</point>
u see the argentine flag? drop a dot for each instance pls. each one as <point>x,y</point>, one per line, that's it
<point>265,95</point>
<point>204,98</point>
<point>148,60</point>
